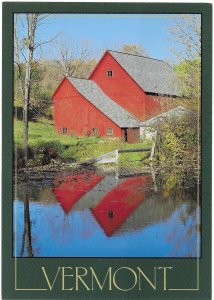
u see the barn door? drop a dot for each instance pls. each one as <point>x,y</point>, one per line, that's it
<point>136,135</point>
<point>125,134</point>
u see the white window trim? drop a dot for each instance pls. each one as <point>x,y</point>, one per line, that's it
<point>112,131</point>
<point>107,73</point>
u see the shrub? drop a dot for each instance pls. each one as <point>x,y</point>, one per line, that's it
<point>178,141</point>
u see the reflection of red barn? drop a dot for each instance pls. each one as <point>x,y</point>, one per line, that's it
<point>72,188</point>
<point>119,203</point>
<point>122,91</point>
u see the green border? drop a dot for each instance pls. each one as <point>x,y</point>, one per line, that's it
<point>8,291</point>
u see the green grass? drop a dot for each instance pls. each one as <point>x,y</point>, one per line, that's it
<point>42,133</point>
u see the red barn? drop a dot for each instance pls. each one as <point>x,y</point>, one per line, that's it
<point>122,91</point>
<point>135,82</point>
<point>81,108</point>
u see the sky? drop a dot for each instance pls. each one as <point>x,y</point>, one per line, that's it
<point>109,31</point>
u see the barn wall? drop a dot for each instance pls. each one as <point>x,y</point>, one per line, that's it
<point>166,103</point>
<point>74,112</point>
<point>123,89</point>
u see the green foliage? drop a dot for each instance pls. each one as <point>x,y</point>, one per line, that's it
<point>189,74</point>
<point>186,37</point>
<point>40,93</point>
<point>178,151</point>
<point>178,140</point>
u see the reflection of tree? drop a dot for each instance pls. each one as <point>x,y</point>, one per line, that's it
<point>176,177</point>
<point>26,238</point>
<point>185,231</point>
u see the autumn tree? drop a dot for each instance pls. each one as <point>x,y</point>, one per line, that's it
<point>134,49</point>
<point>186,38</point>
<point>189,74</point>
<point>178,141</point>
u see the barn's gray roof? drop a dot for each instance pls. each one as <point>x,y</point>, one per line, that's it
<point>90,90</point>
<point>171,114</point>
<point>152,75</point>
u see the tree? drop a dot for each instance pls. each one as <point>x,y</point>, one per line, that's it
<point>186,37</point>
<point>75,59</point>
<point>176,150</point>
<point>134,49</point>
<point>25,47</point>
<point>188,72</point>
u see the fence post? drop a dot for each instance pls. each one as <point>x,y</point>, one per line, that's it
<point>153,146</point>
<point>116,156</point>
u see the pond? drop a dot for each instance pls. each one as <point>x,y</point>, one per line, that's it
<point>90,214</point>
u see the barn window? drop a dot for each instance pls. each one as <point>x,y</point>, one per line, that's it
<point>109,73</point>
<point>109,131</point>
<point>64,130</point>
<point>95,131</point>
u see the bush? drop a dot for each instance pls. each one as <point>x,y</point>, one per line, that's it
<point>178,141</point>
<point>177,149</point>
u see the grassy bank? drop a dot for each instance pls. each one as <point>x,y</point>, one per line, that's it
<point>45,144</point>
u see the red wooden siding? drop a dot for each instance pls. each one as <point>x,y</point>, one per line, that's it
<point>123,89</point>
<point>78,115</point>
<point>165,102</point>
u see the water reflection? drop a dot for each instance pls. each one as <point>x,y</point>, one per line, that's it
<point>26,238</point>
<point>115,207</point>
<point>71,188</point>
<point>92,215</point>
